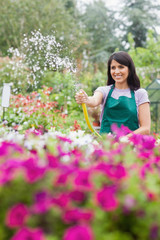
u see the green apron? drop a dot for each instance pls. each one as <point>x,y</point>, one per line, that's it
<point>122,111</point>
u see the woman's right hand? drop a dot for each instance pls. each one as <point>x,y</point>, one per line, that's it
<point>81,97</point>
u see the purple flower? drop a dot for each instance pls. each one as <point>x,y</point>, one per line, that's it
<point>154,232</point>
<point>75,215</point>
<point>106,198</point>
<point>42,202</point>
<point>78,232</point>
<point>29,234</point>
<point>17,215</point>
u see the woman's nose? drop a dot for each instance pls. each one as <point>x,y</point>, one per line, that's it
<point>117,70</point>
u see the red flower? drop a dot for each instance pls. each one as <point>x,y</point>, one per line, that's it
<point>76,126</point>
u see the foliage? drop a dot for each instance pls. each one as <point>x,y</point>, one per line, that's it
<point>64,88</point>
<point>69,185</point>
<point>138,17</point>
<point>22,17</point>
<point>147,60</point>
<point>14,71</point>
<point>90,81</point>
<point>100,36</point>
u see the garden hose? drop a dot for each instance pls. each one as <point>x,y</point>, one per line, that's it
<point>87,120</point>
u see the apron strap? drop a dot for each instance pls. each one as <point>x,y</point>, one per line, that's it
<point>112,88</point>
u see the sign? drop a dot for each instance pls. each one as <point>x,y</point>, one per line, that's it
<point>6,94</point>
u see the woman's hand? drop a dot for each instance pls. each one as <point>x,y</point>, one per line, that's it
<point>81,97</point>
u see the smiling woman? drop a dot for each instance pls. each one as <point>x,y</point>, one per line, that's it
<point>123,101</point>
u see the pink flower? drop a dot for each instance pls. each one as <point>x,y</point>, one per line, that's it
<point>53,161</point>
<point>17,216</point>
<point>61,200</point>
<point>36,132</point>
<point>136,139</point>
<point>82,180</point>
<point>64,139</point>
<point>148,142</point>
<point>32,170</point>
<point>98,154</point>
<point>61,152</point>
<point>29,234</point>
<point>145,155</point>
<point>78,232</point>
<point>76,215</point>
<point>144,142</point>
<point>6,147</point>
<point>122,131</point>
<point>129,203</point>
<point>8,169</point>
<point>147,167</point>
<point>62,179</point>
<point>152,196</point>
<point>106,198</point>
<point>113,171</point>
<point>65,172</point>
<point>77,196</point>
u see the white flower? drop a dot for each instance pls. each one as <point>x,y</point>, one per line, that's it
<point>124,139</point>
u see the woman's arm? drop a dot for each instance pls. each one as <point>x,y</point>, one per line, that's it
<point>93,101</point>
<point>144,120</point>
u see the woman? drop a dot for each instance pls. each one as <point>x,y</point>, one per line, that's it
<point>123,101</point>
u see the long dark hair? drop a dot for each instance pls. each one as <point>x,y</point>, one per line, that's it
<point>124,59</point>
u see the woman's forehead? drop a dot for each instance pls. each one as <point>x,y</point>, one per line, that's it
<point>114,62</point>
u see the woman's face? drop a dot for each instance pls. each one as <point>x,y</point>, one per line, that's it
<point>119,72</point>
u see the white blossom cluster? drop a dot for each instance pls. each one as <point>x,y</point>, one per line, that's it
<point>39,53</point>
<point>78,138</point>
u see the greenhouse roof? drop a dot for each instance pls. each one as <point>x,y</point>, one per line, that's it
<point>153,90</point>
